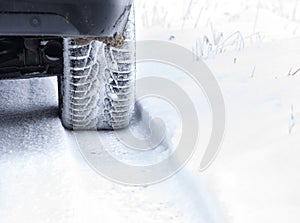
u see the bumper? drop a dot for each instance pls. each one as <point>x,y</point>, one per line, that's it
<point>76,18</point>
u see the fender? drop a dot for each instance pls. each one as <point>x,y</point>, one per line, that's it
<point>64,18</point>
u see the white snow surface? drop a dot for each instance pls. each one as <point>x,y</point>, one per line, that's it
<point>44,177</point>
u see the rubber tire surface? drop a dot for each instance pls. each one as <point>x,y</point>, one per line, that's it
<point>96,91</point>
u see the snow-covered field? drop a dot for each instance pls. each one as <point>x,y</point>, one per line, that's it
<point>255,175</point>
<point>44,178</point>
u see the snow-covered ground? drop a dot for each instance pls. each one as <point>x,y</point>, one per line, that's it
<point>44,178</point>
<point>255,175</point>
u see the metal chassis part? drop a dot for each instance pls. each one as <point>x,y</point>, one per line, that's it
<point>27,57</point>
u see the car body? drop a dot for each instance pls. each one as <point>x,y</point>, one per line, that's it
<point>76,18</point>
<point>26,24</point>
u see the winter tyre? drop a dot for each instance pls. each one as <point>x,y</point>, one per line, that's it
<point>96,90</point>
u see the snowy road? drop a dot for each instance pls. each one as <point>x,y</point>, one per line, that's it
<point>44,178</point>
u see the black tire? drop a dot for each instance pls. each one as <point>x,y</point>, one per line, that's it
<point>97,87</point>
